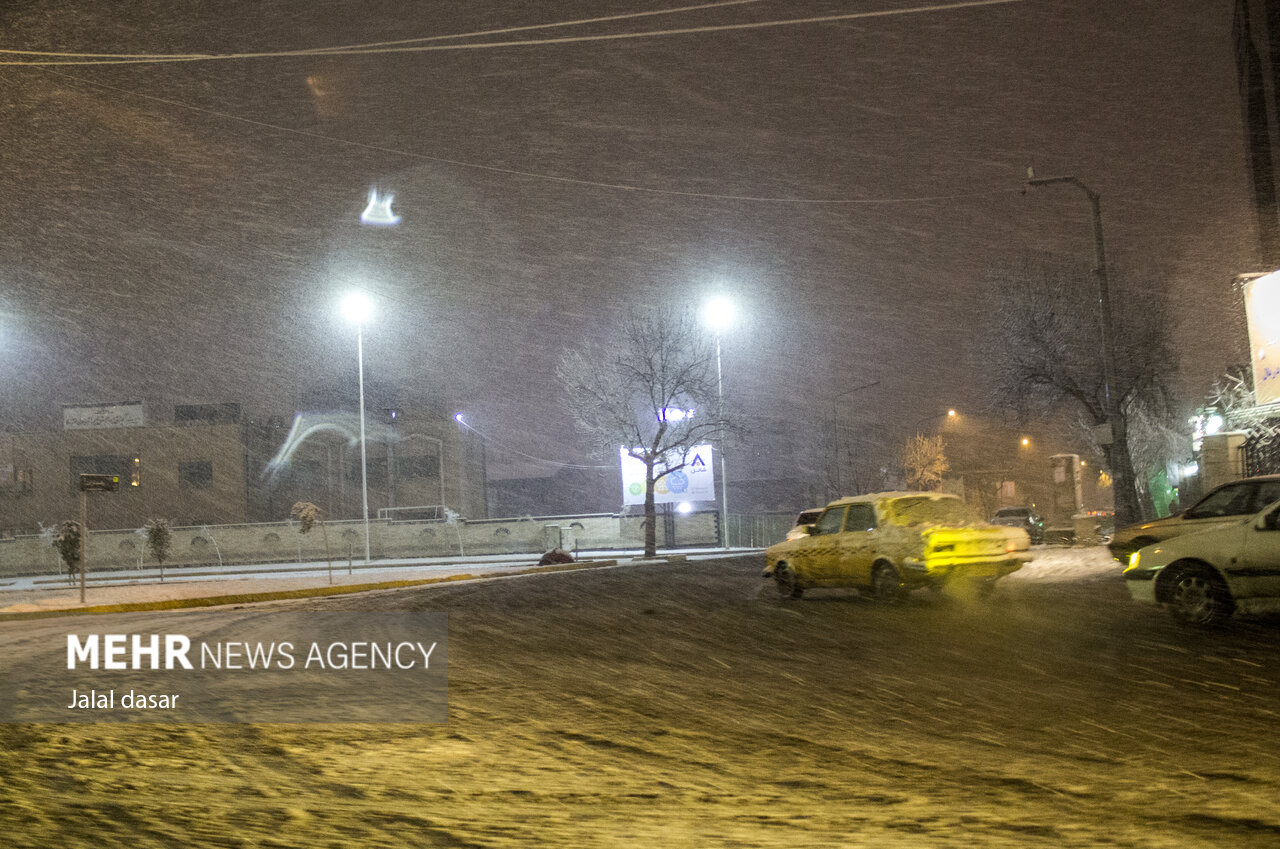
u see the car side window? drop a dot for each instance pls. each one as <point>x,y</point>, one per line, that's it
<point>1271,521</point>
<point>862,517</point>
<point>1228,501</point>
<point>829,522</point>
<point>1266,492</point>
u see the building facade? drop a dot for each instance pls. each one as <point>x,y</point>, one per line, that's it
<point>209,464</point>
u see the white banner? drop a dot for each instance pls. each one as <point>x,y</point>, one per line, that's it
<point>102,416</point>
<point>695,482</point>
<point>1262,310</point>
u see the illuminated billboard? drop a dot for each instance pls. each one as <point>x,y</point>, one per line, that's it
<point>1262,309</point>
<point>694,482</point>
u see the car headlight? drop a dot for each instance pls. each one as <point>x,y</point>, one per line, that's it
<point>1133,560</point>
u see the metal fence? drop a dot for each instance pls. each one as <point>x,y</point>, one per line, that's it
<point>760,530</point>
<point>1260,454</point>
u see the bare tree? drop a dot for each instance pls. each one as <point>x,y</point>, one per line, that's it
<point>67,541</point>
<point>653,391</point>
<point>923,462</point>
<point>159,540</point>
<point>1045,349</point>
<point>309,515</point>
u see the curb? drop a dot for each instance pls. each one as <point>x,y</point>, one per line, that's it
<point>282,595</point>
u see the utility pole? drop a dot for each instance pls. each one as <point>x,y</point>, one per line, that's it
<point>835,428</point>
<point>90,483</point>
<point>1115,437</point>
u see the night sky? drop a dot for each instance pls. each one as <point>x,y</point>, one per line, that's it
<point>182,232</point>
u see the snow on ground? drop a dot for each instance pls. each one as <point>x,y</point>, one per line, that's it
<point>29,594</point>
<point>685,705</point>
<point>1064,563</point>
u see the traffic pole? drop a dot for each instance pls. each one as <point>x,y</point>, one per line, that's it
<point>84,539</point>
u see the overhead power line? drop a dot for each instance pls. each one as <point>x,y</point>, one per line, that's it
<point>311,51</point>
<point>488,45</point>
<point>534,175</point>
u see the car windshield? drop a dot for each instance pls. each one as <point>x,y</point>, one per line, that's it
<point>1234,500</point>
<point>1013,513</point>
<point>932,511</point>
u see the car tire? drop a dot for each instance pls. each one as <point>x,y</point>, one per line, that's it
<point>1197,595</point>
<point>886,586</point>
<point>788,584</point>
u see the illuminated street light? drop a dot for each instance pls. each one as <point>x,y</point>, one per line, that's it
<point>356,308</point>
<point>484,465</point>
<point>1025,442</point>
<point>949,414</point>
<point>718,314</point>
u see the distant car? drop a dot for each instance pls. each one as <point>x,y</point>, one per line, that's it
<point>1206,576</point>
<point>890,543</point>
<point>1021,517</point>
<point>1220,508</point>
<point>803,521</point>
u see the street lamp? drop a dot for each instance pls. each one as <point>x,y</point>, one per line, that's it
<point>950,414</point>
<point>718,315</point>
<point>356,308</point>
<point>1115,424</point>
<point>835,425</point>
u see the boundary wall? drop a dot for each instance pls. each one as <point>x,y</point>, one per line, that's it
<point>281,542</point>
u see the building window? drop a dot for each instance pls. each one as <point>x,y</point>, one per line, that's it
<point>423,466</point>
<point>22,480</point>
<point>135,478</point>
<point>117,465</point>
<point>206,414</point>
<point>195,474</point>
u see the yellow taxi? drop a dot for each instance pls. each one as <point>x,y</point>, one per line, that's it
<point>889,543</point>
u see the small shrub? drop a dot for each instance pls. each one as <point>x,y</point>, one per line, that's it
<point>67,542</point>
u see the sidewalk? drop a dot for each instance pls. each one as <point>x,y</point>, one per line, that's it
<point>244,583</point>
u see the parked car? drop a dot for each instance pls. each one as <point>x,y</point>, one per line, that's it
<point>1206,576</point>
<point>1220,508</point>
<point>890,543</point>
<point>803,521</point>
<point>1021,517</point>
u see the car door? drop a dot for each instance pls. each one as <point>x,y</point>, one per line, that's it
<point>816,554</point>
<point>857,545</point>
<point>1256,571</point>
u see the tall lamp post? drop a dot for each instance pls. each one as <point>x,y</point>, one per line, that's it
<point>718,315</point>
<point>356,308</point>
<point>835,426</point>
<point>950,414</point>
<point>1115,429</point>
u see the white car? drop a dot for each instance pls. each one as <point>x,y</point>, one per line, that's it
<point>1205,577</point>
<point>803,521</point>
